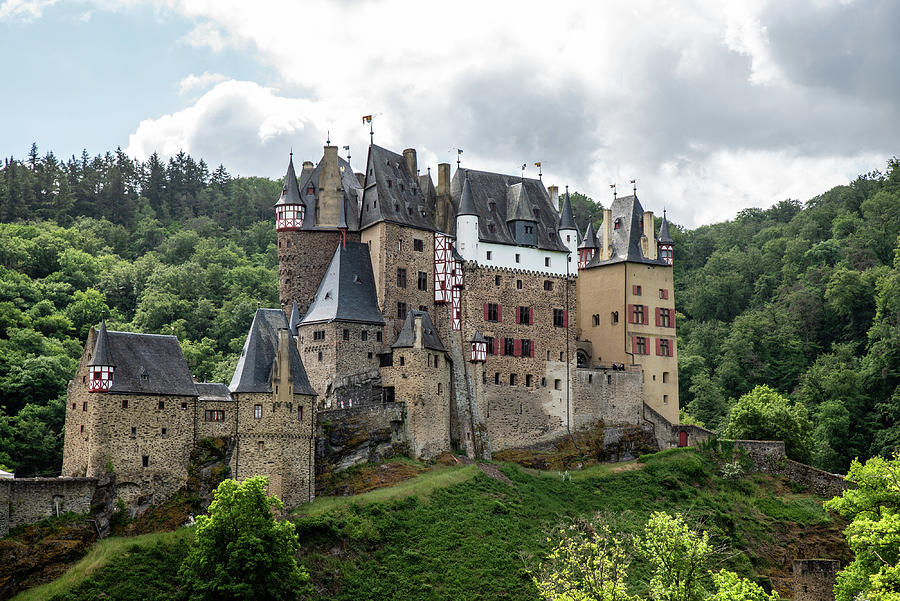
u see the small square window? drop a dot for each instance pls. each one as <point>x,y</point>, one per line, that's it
<point>418,245</point>
<point>546,261</point>
<point>557,384</point>
<point>346,334</point>
<point>162,405</point>
<point>124,403</point>
<point>364,335</point>
<point>163,431</point>
<point>518,258</point>
<point>133,431</point>
<point>184,406</point>
<point>548,285</point>
<point>145,460</point>
<point>488,255</point>
<point>378,336</point>
<point>518,284</point>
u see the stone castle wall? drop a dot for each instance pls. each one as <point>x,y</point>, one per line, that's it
<point>814,579</point>
<point>616,397</point>
<point>339,356</point>
<point>303,259</point>
<point>28,500</point>
<point>347,437</point>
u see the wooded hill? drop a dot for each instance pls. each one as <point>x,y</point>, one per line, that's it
<point>804,298</point>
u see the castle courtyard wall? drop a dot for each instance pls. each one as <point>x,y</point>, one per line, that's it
<point>28,500</point>
<point>616,397</point>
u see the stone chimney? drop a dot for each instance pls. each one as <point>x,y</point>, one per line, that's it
<point>410,155</point>
<point>418,329</point>
<point>330,192</point>
<point>444,218</point>
<point>554,197</point>
<point>606,235</point>
<point>648,240</point>
<point>282,382</point>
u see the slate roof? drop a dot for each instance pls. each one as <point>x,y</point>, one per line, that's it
<point>350,198</point>
<point>254,369</point>
<point>519,207</point>
<point>295,318</point>
<point>101,355</point>
<point>566,216</point>
<point>590,238</point>
<point>466,204</point>
<point>147,364</point>
<point>347,291</point>
<point>478,337</point>
<point>493,188</point>
<point>392,193</point>
<point>290,191</point>
<point>213,391</point>
<point>626,241</point>
<point>407,336</point>
<point>664,236</point>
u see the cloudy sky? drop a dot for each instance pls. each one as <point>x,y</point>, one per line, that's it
<point>712,106</point>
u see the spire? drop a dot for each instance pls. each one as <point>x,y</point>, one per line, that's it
<point>295,319</point>
<point>566,216</point>
<point>101,355</point>
<point>590,238</point>
<point>290,192</point>
<point>664,237</point>
<point>466,202</point>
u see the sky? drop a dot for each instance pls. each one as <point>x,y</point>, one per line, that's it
<point>711,106</point>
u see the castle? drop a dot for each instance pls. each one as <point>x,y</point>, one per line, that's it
<point>469,315</point>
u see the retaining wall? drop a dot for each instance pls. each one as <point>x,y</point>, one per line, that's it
<point>28,500</point>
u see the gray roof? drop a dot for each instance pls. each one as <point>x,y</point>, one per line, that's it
<point>148,364</point>
<point>466,204</point>
<point>294,323</point>
<point>478,337</point>
<point>290,192</point>
<point>101,355</point>
<point>407,336</point>
<point>489,194</point>
<point>664,236</point>
<point>213,391</point>
<point>347,291</point>
<point>254,369</point>
<point>392,193</point>
<point>590,238</point>
<point>626,240</point>
<point>566,216</point>
<point>519,206</point>
<point>350,196</point>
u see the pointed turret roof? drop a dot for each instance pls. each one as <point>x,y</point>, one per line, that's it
<point>254,369</point>
<point>478,337</point>
<point>295,318</point>
<point>590,238</point>
<point>290,192</point>
<point>519,204</point>
<point>627,215</point>
<point>566,216</point>
<point>347,292</point>
<point>466,203</point>
<point>101,354</point>
<point>407,336</point>
<point>664,236</point>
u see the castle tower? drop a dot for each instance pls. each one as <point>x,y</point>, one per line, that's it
<point>101,363</point>
<point>588,247</point>
<point>275,407</point>
<point>666,245</point>
<point>568,231</point>
<point>467,224</point>
<point>626,306</point>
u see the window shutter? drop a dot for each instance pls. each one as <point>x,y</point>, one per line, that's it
<point>646,314</point>
<point>499,312</point>
<point>565,319</point>
<point>496,349</point>
<point>532,349</point>
<point>658,318</point>
<point>634,345</point>
<point>671,347</point>
<point>518,314</point>
<point>633,289</point>
<point>517,348</point>
<point>659,346</point>
<point>485,312</point>
<point>502,346</point>
<point>530,316</point>
<point>665,293</point>
<point>630,313</point>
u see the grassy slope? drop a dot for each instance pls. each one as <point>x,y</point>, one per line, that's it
<point>458,534</point>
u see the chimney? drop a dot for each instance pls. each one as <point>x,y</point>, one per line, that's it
<point>282,372</point>
<point>418,322</point>
<point>443,187</point>
<point>650,235</point>
<point>307,169</point>
<point>554,197</point>
<point>330,192</point>
<point>606,240</point>
<point>410,155</point>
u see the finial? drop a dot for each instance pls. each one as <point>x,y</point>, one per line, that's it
<point>328,137</point>
<point>634,187</point>
<point>538,165</point>
<point>258,304</point>
<point>458,154</point>
<point>567,190</point>
<point>613,186</point>
<point>292,154</point>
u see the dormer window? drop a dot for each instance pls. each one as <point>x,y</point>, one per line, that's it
<point>492,205</point>
<point>401,188</point>
<point>529,229</point>
<point>617,224</point>
<point>397,207</point>
<point>390,184</point>
<point>491,227</point>
<point>101,378</point>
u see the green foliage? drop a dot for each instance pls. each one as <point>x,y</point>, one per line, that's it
<point>678,556</point>
<point>240,551</point>
<point>873,509</point>
<point>763,414</point>
<point>731,587</point>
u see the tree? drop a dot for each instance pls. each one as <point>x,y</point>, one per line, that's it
<point>763,414</point>
<point>240,551</point>
<point>731,587</point>
<point>873,535</point>
<point>678,556</point>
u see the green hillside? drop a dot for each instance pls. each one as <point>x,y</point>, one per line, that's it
<point>456,533</point>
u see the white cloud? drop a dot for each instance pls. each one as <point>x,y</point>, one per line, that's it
<point>202,81</point>
<point>23,10</point>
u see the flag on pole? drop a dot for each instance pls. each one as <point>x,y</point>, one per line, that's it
<point>367,119</point>
<point>538,164</point>
<point>612,185</point>
<point>524,165</point>
<point>459,151</point>
<point>632,181</point>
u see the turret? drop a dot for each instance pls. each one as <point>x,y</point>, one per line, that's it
<point>101,364</point>
<point>588,247</point>
<point>467,224</point>
<point>479,348</point>
<point>666,245</point>
<point>289,209</point>
<point>568,231</point>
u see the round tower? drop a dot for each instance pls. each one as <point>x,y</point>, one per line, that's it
<point>664,240</point>
<point>467,224</point>
<point>568,231</point>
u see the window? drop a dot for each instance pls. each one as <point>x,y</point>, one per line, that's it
<point>559,318</point>
<point>319,356</point>
<point>665,399</point>
<point>518,258</point>
<point>546,261</point>
<point>528,380</point>
<point>665,318</point>
<point>487,256</point>
<point>300,413</point>
<point>163,431</point>
<point>401,277</point>
<point>310,190</point>
<point>636,290</point>
<point>423,308</point>
<point>162,404</point>
<point>548,285</point>
<point>614,317</point>
<point>401,310</point>
<point>145,460</point>
<point>496,378</point>
<point>640,345</point>
<point>523,315</point>
<point>557,384</point>
<point>84,406</point>
<point>543,382</point>
<point>346,334</point>
<point>665,377</point>
<point>527,348</point>
<point>399,242</point>
<point>124,403</point>
<point>663,293</point>
<point>319,335</point>
<point>518,284</point>
<point>386,360</point>
<point>440,388</point>
<point>257,411</point>
<point>637,314</point>
<point>561,356</point>
<point>133,431</point>
<point>492,312</point>
<point>491,227</point>
<point>509,346</point>
<point>260,445</point>
<point>378,336</point>
<point>595,319</point>
<point>512,379</point>
<point>82,428</point>
<point>402,360</point>
<point>664,348</point>
<point>184,406</point>
<point>214,415</point>
<point>418,246</point>
<point>490,346</point>
<point>529,229</point>
<point>364,335</point>
<point>497,281</point>
<point>423,281</point>
<point>617,224</point>
<point>492,205</point>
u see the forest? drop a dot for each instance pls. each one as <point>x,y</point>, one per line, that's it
<point>803,298</point>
